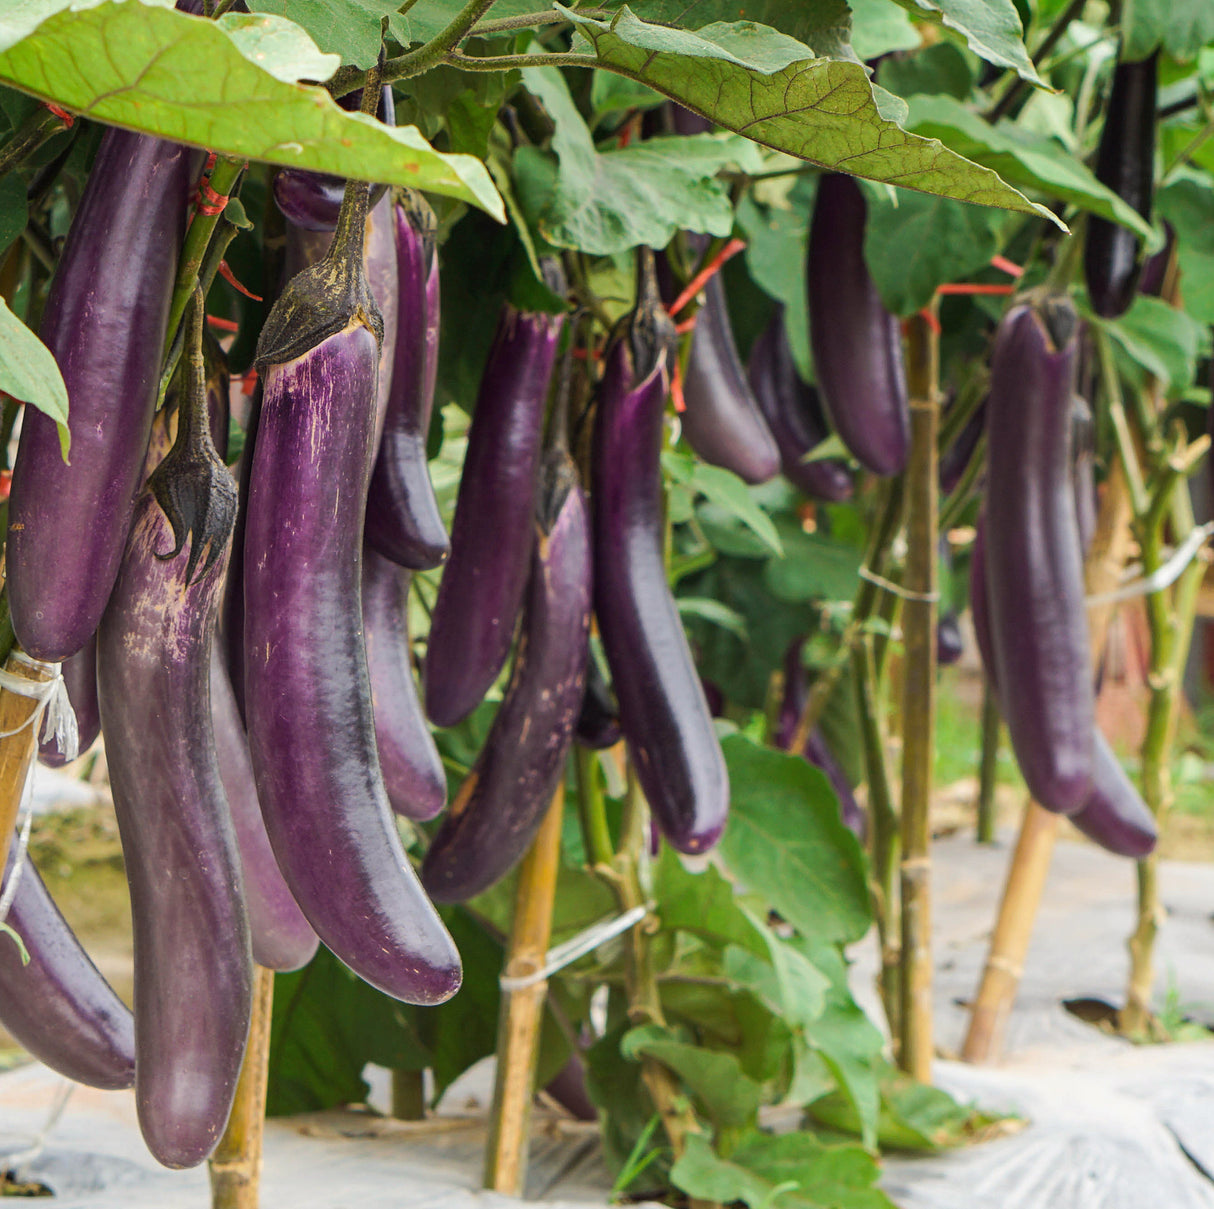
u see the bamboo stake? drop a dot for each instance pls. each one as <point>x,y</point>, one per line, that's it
<point>1039,828</point>
<point>408,1094</point>
<point>17,749</point>
<point>236,1164</point>
<point>522,1009</point>
<point>991,727</point>
<point>919,712</point>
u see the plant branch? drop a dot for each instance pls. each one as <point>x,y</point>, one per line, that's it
<point>532,21</point>
<point>1005,103</point>
<point>465,62</point>
<point>41,126</point>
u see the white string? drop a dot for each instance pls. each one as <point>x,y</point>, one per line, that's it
<point>577,946</point>
<point>1162,578</point>
<point>897,589</point>
<point>13,1161</point>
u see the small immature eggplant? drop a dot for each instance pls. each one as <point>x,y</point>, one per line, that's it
<point>598,724</point>
<point>504,798</point>
<point>105,322</point>
<point>949,646</point>
<point>59,1007</point>
<point>80,679</point>
<point>410,763</point>
<point>491,537</point>
<point>663,713</point>
<point>857,343</point>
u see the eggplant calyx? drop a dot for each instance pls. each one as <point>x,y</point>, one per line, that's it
<point>652,338</point>
<point>558,477</point>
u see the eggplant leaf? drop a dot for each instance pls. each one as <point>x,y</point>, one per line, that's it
<point>1188,204</point>
<point>725,489</point>
<point>992,29</point>
<point>29,374</point>
<point>224,85</point>
<point>1162,340</point>
<point>349,28</point>
<point>1181,27</point>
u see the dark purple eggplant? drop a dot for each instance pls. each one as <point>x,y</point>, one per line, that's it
<point>1083,470</point>
<point>403,520</point>
<point>281,937</point>
<point>80,680</point>
<point>857,343</point>
<point>1034,565</point>
<point>1125,163</point>
<point>504,798</point>
<point>598,724</point>
<point>568,1088</point>
<point>307,693</point>
<point>949,646</point>
<point>956,458</point>
<point>794,415</point>
<point>59,1007</point>
<point>105,322</point>
<point>663,713</point>
<point>492,534</point>
<point>410,763</point>
<point>1155,267</point>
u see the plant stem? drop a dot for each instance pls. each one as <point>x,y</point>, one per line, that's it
<point>596,836</point>
<point>1004,105</point>
<point>41,126</point>
<point>408,1094</point>
<point>952,508</point>
<point>531,21</point>
<point>465,62</point>
<point>992,726</point>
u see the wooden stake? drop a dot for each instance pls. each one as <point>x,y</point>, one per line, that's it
<point>236,1164</point>
<point>16,750</point>
<point>522,1009</point>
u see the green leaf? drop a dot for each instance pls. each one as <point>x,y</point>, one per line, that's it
<point>223,85</point>
<point>704,904</point>
<point>992,28</point>
<point>349,28</point>
<point>1163,340</point>
<point>784,839</point>
<point>29,374</point>
<point>14,209</point>
<point>763,84</point>
<point>713,611</point>
<point>428,18</point>
<point>1188,205</point>
<point>1181,27</point>
<point>939,68</point>
<point>815,566</point>
<point>725,489</point>
<point>879,28</point>
<point>788,983</point>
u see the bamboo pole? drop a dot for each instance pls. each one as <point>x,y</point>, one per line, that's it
<point>522,1009</point>
<point>919,697</point>
<point>17,748</point>
<point>987,769</point>
<point>236,1164</point>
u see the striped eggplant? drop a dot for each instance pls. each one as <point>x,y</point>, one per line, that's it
<point>504,798</point>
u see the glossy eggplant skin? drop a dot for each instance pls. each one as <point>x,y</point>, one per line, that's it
<point>410,763</point>
<point>663,711</point>
<point>281,937</point>
<point>504,798</point>
<point>1125,162</point>
<point>956,458</point>
<point>193,965</point>
<point>80,679</point>
<point>1034,565</point>
<point>403,520</point>
<point>598,724</point>
<point>59,1007</point>
<point>856,342</point>
<point>105,322</point>
<point>310,200</point>
<point>307,692</point>
<point>794,415</point>
<point>492,534</point>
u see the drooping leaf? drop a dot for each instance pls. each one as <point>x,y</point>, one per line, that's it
<point>348,28</point>
<point>713,611</point>
<point>992,28</point>
<point>724,488</point>
<point>29,374</point>
<point>879,28</point>
<point>1188,205</point>
<point>942,68</point>
<point>704,904</point>
<point>815,566</point>
<point>1181,27</point>
<point>1159,338</point>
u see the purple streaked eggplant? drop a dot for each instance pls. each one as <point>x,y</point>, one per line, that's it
<point>504,798</point>
<point>1034,565</point>
<point>105,322</point>
<point>80,679</point>
<point>403,520</point>
<point>598,724</point>
<point>857,343</point>
<point>410,763</point>
<point>59,1007</point>
<point>492,534</point>
<point>956,458</point>
<point>281,937</point>
<point>307,693</point>
<point>663,712</point>
<point>794,415</point>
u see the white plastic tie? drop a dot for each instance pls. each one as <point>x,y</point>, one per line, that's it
<point>896,588</point>
<point>577,946</point>
<point>1162,578</point>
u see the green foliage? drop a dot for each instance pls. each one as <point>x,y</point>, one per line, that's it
<point>29,374</point>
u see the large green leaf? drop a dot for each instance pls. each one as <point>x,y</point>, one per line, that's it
<point>349,28</point>
<point>761,83</point>
<point>1159,338</point>
<point>225,85</point>
<point>1188,205</point>
<point>704,904</point>
<point>29,374</point>
<point>725,489</point>
<point>1181,27</point>
<point>815,566</point>
<point>991,27</point>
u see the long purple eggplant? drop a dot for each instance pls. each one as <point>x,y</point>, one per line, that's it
<point>794,414</point>
<point>403,520</point>
<point>663,712</point>
<point>956,458</point>
<point>307,693</point>
<point>105,322</point>
<point>482,587</point>
<point>80,680</point>
<point>504,798</point>
<point>598,724</point>
<point>1034,565</point>
<point>857,343</point>
<point>410,763</point>
<point>59,1007</point>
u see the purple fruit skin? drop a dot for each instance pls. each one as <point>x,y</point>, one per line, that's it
<point>663,711</point>
<point>857,343</point>
<point>794,415</point>
<point>598,724</point>
<point>59,1007</point>
<point>307,692</point>
<point>491,537</point>
<point>80,680</point>
<point>1083,471</point>
<point>282,938</point>
<point>956,458</point>
<point>105,322</point>
<point>1034,566</point>
<point>403,520</point>
<point>410,763</point>
<point>500,808</point>
<point>193,966</point>
<point>949,647</point>
<point>310,200</point>
<point>1155,267</point>
<point>568,1088</point>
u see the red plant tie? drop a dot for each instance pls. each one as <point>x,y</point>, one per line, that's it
<point>68,119</point>
<point>224,325</point>
<point>210,203</point>
<point>962,287</point>
<point>226,273</point>
<point>1006,266</point>
<point>676,388</point>
<point>705,275</point>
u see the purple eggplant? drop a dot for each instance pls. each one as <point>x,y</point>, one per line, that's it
<point>491,537</point>
<point>1083,470</point>
<point>309,200</point>
<point>80,680</point>
<point>794,414</point>
<point>504,798</point>
<point>307,692</point>
<point>59,1007</point>
<point>949,646</point>
<point>1155,267</point>
<point>857,343</point>
<point>403,521</point>
<point>956,458</point>
<point>105,322</point>
<point>1034,565</point>
<point>663,713</point>
<point>598,724</point>
<point>410,763</point>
